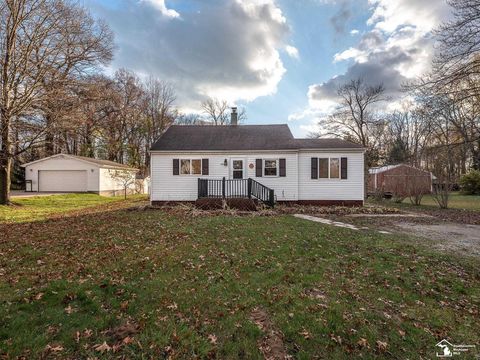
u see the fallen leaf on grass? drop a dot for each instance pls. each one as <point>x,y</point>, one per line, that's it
<point>53,348</point>
<point>305,334</point>
<point>382,346</point>
<point>69,309</point>
<point>363,343</point>
<point>127,340</point>
<point>102,347</point>
<point>213,339</point>
<point>52,329</point>
<point>172,307</point>
<point>123,331</point>
<point>336,338</point>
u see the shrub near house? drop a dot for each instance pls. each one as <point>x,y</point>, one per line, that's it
<point>470,183</point>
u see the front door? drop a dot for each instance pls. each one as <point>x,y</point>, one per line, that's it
<point>237,169</point>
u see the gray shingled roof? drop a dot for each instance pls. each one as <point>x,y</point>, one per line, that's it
<point>103,162</point>
<point>241,137</point>
<point>330,143</point>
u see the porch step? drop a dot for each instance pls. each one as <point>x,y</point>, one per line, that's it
<point>234,189</point>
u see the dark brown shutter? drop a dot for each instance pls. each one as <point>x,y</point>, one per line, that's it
<point>176,167</point>
<point>258,168</point>
<point>314,168</point>
<point>283,167</point>
<point>204,166</point>
<point>344,167</point>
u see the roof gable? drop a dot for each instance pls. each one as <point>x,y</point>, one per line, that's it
<point>240,138</point>
<point>208,137</point>
<point>96,162</point>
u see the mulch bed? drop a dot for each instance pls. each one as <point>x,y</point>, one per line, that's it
<point>240,209</point>
<point>243,209</point>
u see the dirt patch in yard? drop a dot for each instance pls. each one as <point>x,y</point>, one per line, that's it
<point>271,345</point>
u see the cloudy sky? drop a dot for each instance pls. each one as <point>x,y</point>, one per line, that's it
<point>281,59</point>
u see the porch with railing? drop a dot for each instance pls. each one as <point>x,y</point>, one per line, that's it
<point>235,188</point>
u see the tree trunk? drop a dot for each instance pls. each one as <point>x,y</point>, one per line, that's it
<point>49,137</point>
<point>147,158</point>
<point>476,159</point>
<point>5,179</point>
<point>5,160</point>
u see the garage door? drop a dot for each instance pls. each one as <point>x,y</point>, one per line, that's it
<point>62,180</point>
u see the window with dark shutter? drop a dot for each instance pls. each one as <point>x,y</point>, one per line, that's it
<point>176,167</point>
<point>283,167</point>
<point>323,168</point>
<point>344,168</point>
<point>314,167</point>
<point>258,167</point>
<point>204,166</point>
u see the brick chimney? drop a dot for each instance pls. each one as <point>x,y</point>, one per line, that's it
<point>234,117</point>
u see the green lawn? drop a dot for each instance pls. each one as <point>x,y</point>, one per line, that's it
<point>457,201</point>
<point>156,284</point>
<point>42,207</point>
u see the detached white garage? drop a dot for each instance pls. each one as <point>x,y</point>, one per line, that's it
<point>63,180</point>
<point>69,173</point>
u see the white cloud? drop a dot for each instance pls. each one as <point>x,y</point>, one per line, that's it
<point>354,32</point>
<point>398,47</point>
<point>351,53</point>
<point>160,5</point>
<point>228,49</point>
<point>292,51</point>
<point>424,15</point>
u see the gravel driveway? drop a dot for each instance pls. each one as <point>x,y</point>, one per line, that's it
<point>446,237</point>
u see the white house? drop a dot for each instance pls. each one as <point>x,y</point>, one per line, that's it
<point>69,173</point>
<point>189,162</point>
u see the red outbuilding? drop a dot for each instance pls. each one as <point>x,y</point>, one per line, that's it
<point>399,179</point>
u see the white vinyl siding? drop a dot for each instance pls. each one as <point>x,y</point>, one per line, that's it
<point>108,182</point>
<point>168,187</point>
<point>351,188</point>
<point>296,185</point>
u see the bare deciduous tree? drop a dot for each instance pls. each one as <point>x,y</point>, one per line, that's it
<point>125,178</point>
<point>355,117</point>
<point>218,112</point>
<point>160,110</point>
<point>189,119</point>
<point>36,43</point>
<point>459,46</point>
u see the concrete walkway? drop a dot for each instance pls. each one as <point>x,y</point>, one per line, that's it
<point>334,223</point>
<point>326,221</point>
